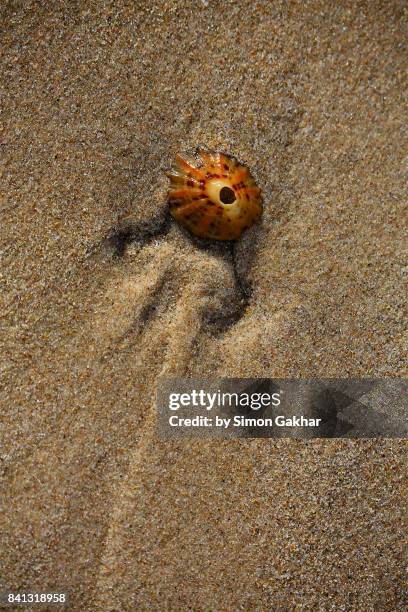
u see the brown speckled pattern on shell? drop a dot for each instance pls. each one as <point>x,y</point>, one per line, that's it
<point>197,201</point>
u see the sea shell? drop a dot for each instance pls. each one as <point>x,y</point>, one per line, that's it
<point>214,196</point>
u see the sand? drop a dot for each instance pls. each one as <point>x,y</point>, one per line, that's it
<point>101,298</point>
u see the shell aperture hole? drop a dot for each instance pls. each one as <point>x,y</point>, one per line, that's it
<point>227,195</point>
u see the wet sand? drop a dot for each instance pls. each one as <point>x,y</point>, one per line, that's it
<point>101,297</point>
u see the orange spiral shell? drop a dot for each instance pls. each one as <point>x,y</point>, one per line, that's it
<point>214,196</point>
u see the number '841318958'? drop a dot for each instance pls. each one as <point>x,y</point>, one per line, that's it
<point>27,598</point>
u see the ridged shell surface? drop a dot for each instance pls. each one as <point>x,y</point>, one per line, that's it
<point>213,196</point>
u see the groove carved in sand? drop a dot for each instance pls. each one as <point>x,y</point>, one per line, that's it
<point>162,295</point>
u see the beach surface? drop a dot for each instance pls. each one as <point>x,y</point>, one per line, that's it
<point>102,297</point>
